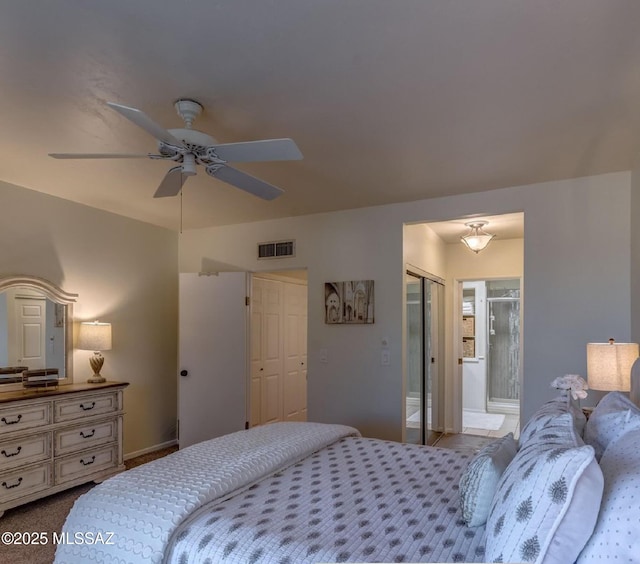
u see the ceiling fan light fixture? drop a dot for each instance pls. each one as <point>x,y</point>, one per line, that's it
<point>476,239</point>
<point>189,164</point>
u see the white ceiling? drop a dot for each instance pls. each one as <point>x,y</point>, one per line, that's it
<point>505,226</point>
<point>388,101</point>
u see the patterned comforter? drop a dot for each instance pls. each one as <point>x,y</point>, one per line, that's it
<point>283,493</point>
<point>138,510</point>
<point>357,500</point>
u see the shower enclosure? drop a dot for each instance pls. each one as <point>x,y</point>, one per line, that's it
<point>503,345</point>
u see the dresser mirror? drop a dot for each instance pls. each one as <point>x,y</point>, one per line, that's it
<point>36,329</point>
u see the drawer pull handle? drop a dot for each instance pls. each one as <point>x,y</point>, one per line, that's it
<point>88,435</point>
<point>13,485</point>
<point>82,406</point>
<point>9,455</point>
<point>93,459</point>
<point>17,420</point>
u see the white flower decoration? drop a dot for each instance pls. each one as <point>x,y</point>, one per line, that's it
<point>572,384</point>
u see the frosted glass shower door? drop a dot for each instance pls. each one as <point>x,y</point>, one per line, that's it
<point>503,342</point>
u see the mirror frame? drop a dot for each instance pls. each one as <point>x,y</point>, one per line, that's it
<point>57,295</point>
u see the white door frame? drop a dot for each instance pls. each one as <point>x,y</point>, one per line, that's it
<point>456,354</point>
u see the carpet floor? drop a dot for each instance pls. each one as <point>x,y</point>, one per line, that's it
<point>47,515</point>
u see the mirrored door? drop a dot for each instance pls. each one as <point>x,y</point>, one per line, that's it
<point>424,358</point>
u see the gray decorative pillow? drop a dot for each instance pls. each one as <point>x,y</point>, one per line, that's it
<point>613,417</point>
<point>547,501</point>
<point>479,482</point>
<point>551,409</point>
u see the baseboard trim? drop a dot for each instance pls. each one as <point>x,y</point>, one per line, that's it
<point>503,407</point>
<point>153,448</point>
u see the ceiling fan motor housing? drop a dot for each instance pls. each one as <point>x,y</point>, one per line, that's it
<point>193,138</point>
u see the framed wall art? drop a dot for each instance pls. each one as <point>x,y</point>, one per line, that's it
<point>348,302</point>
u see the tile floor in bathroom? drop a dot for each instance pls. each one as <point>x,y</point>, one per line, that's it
<point>511,424</point>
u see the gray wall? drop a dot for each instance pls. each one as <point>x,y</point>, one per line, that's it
<point>576,286</point>
<point>125,273</point>
<point>635,254</point>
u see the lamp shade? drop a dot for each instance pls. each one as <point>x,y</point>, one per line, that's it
<point>94,336</point>
<point>609,365</point>
<point>477,239</point>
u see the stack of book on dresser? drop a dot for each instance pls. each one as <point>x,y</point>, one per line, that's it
<point>11,374</point>
<point>42,378</point>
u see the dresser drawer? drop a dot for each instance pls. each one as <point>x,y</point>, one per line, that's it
<point>82,437</point>
<point>20,483</point>
<point>85,406</point>
<point>14,419</point>
<point>85,463</point>
<point>28,450</point>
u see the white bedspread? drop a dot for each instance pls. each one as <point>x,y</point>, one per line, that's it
<point>143,506</point>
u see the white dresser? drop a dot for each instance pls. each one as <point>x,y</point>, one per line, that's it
<point>51,440</point>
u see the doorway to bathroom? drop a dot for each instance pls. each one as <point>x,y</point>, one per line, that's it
<point>491,344</point>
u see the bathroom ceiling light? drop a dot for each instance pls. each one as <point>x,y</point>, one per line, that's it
<point>477,239</point>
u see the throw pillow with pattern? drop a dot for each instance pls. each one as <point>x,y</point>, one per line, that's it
<point>547,500</point>
<point>479,482</point>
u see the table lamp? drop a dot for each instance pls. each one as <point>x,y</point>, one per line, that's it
<point>609,365</point>
<point>96,337</point>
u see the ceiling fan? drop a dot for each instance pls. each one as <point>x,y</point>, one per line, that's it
<point>190,147</point>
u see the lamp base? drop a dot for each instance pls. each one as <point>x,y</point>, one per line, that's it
<point>96,362</point>
<point>96,379</point>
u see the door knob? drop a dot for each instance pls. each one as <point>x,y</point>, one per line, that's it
<point>184,373</point>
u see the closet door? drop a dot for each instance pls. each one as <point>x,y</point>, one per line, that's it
<point>266,351</point>
<point>295,354</point>
<point>212,356</point>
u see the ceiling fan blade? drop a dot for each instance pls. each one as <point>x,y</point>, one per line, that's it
<point>142,120</point>
<point>171,183</point>
<point>97,156</point>
<point>245,182</point>
<point>254,151</point>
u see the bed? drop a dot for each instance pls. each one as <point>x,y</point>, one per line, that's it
<point>291,493</point>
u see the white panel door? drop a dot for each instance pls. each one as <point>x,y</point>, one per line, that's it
<point>212,354</point>
<point>266,351</point>
<point>295,354</point>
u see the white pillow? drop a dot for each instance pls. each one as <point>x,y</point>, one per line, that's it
<point>547,501</point>
<point>479,482</point>
<point>614,416</point>
<point>617,533</point>
<point>547,412</point>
